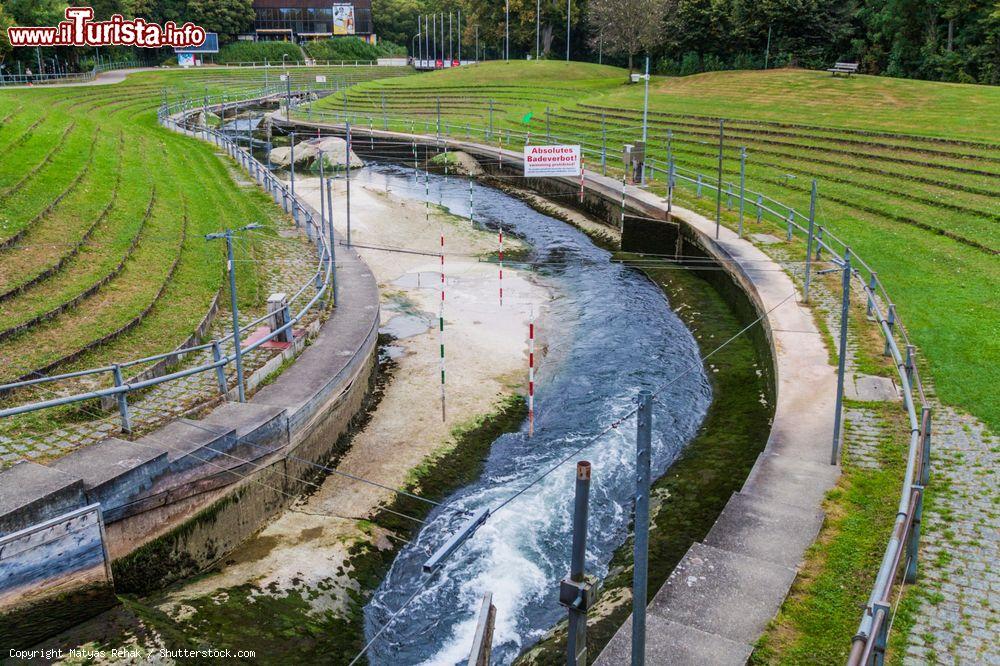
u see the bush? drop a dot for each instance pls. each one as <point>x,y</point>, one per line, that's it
<point>351,48</point>
<point>258,52</point>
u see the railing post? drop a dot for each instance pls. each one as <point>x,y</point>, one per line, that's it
<point>819,243</point>
<point>809,241</point>
<point>220,373</point>
<point>891,325</point>
<point>697,191</point>
<point>291,166</point>
<point>791,228</point>
<point>760,207</point>
<point>743,183</point>
<point>641,544</point>
<point>913,540</point>
<point>122,401</point>
<point>872,284</point>
<point>908,363</point>
<point>881,638</point>
<point>925,456</point>
<point>845,305</point>
<point>729,196</point>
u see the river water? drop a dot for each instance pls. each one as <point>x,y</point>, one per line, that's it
<point>610,332</point>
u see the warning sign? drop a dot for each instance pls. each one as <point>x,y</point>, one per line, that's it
<point>551,161</point>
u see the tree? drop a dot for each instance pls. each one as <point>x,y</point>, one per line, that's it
<point>396,20</point>
<point>626,27</point>
<point>226,17</point>
<point>5,22</point>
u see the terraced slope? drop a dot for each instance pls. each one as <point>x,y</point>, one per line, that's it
<point>908,171</point>
<point>103,215</point>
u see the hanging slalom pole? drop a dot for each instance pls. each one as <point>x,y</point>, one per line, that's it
<point>582,167</point>
<point>531,373</point>
<point>427,219</point>
<point>501,264</point>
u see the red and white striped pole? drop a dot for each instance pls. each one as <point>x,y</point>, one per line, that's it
<point>501,264</point>
<point>581,177</point>
<point>531,373</point>
<point>500,149</point>
<point>441,320</point>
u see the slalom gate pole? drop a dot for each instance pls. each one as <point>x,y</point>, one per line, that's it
<point>531,373</point>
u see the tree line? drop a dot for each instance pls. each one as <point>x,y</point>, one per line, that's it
<point>942,40</point>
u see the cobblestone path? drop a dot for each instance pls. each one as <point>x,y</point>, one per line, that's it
<point>958,585</point>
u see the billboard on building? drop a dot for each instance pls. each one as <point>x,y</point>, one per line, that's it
<point>551,161</point>
<point>343,19</point>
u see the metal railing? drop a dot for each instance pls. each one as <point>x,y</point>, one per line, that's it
<point>899,560</point>
<point>64,77</point>
<point>176,116</point>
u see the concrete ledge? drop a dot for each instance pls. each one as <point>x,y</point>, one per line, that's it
<point>114,471</point>
<point>32,493</point>
<point>191,444</point>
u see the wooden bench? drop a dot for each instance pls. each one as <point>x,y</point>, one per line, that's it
<point>847,68</point>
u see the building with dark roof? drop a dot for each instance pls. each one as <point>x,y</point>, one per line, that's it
<point>300,20</point>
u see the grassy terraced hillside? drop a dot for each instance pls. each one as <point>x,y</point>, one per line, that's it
<point>908,171</point>
<point>103,215</point>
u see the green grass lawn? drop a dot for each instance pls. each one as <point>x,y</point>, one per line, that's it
<point>908,171</point>
<point>103,215</point>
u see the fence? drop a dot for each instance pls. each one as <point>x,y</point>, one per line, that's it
<point>176,117</point>
<point>900,556</point>
<point>63,77</point>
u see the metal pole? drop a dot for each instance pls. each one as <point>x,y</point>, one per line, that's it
<point>451,55</point>
<point>809,241</point>
<point>231,268</point>
<point>322,202</point>
<point>439,119</point>
<point>845,304</point>
<point>122,401</point>
<point>347,178</point>
<point>434,46</point>
<point>291,166</point>
<point>743,182</point>
<point>645,117</point>
<point>575,592</point>
<point>506,31</point>
<point>718,187</point>
<point>288,97</point>
<point>569,14</point>
<point>477,42</point>
<point>491,119</point>
<point>333,253</point>
<point>460,37</point>
<point>538,29</point>
<point>767,51</point>
<point>641,550</point>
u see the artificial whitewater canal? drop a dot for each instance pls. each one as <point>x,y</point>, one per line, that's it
<point>610,332</point>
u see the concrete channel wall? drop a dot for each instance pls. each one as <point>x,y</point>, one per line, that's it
<point>179,499</point>
<point>724,591</point>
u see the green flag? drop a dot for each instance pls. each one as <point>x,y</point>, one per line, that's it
<point>527,118</point>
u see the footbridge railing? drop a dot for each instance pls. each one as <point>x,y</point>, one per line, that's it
<point>899,560</point>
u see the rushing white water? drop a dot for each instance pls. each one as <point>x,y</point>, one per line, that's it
<point>611,332</point>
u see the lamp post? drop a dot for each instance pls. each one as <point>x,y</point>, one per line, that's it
<point>569,13</point>
<point>538,29</point>
<point>231,269</point>
<point>506,31</point>
<point>645,117</point>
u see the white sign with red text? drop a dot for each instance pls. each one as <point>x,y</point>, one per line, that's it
<point>551,161</point>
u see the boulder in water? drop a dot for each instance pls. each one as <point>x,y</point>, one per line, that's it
<point>307,152</point>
